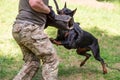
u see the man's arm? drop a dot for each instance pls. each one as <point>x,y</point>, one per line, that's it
<point>39,6</point>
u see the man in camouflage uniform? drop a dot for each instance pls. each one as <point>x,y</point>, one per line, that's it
<point>28,31</point>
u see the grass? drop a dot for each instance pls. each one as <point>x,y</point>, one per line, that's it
<point>102,23</point>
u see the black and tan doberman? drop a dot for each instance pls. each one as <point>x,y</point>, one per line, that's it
<point>78,39</point>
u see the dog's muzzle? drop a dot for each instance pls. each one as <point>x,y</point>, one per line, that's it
<point>63,21</point>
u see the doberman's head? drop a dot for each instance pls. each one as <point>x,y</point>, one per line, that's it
<point>66,11</point>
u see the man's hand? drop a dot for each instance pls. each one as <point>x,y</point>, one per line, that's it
<point>51,14</point>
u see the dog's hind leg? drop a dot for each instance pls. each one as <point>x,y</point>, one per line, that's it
<point>82,51</point>
<point>96,52</point>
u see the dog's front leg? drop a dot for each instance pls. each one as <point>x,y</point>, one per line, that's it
<point>55,42</point>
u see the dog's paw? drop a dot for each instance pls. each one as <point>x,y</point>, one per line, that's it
<point>82,63</point>
<point>51,39</point>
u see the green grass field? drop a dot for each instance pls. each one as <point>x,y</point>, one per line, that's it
<point>101,22</point>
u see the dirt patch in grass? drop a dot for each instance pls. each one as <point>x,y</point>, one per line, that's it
<point>73,77</point>
<point>117,65</point>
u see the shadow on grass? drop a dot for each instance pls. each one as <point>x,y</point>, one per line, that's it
<point>8,67</point>
<point>72,70</point>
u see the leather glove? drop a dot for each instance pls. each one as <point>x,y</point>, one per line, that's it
<point>51,15</point>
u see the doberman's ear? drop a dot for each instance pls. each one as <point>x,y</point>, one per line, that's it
<point>73,12</point>
<point>65,6</point>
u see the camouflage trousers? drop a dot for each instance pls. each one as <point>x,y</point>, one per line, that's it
<point>35,46</point>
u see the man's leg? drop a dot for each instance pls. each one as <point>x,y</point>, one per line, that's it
<point>33,38</point>
<point>44,49</point>
<point>30,67</point>
<point>31,61</point>
<point>50,66</point>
